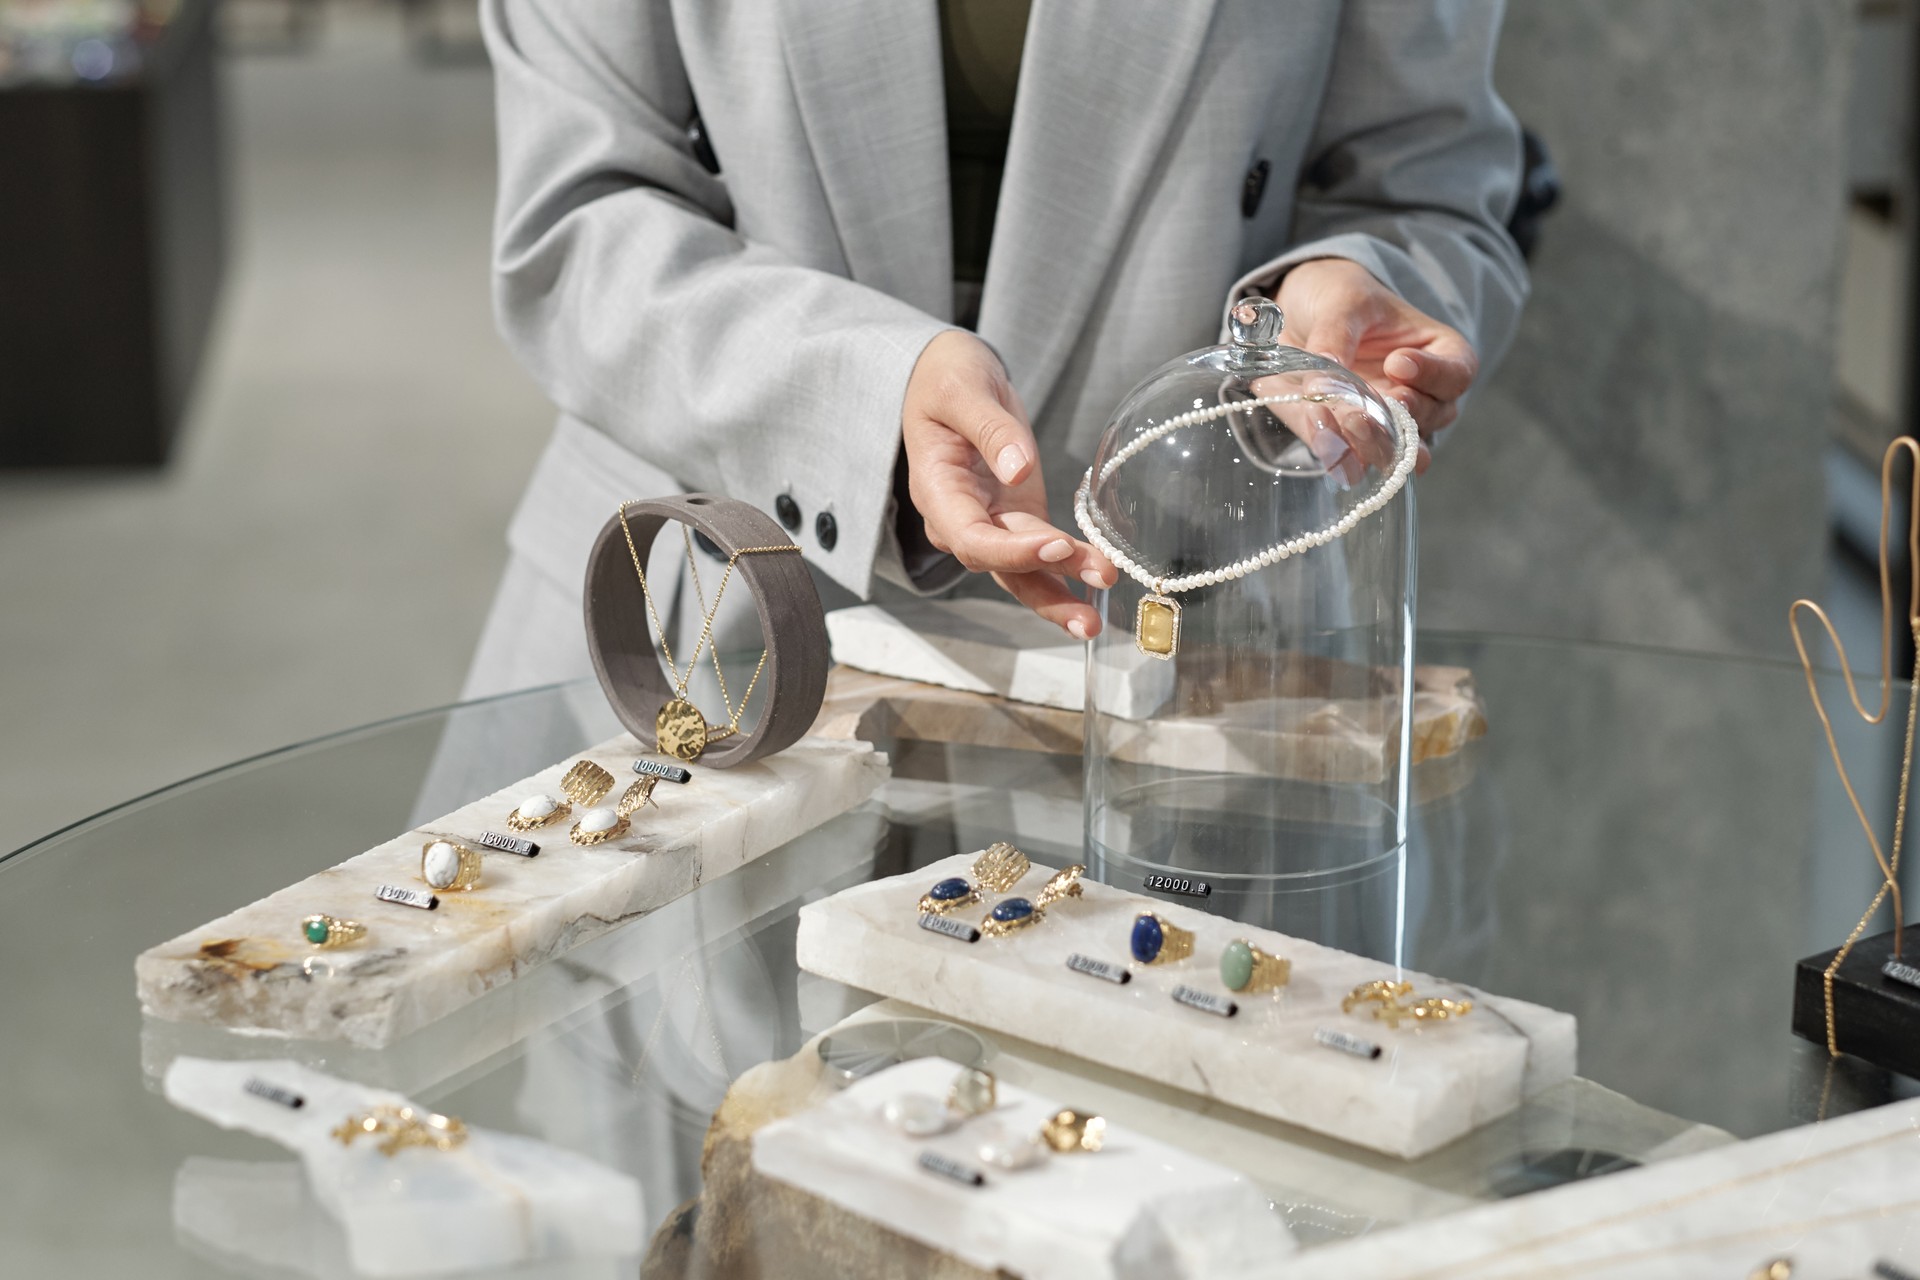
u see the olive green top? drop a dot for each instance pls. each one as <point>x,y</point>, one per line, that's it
<point>980,44</point>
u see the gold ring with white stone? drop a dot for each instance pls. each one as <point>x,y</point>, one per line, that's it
<point>448,865</point>
<point>330,931</point>
<point>597,826</point>
<point>538,811</point>
<point>586,783</point>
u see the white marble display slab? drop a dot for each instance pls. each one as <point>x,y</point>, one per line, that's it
<point>1430,1086</point>
<point>498,1200</point>
<point>1835,1198</point>
<point>251,970</point>
<point>1136,1209</point>
<point>988,646</point>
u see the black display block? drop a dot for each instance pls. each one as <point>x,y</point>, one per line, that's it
<point>1876,1018</point>
<point>112,245</point>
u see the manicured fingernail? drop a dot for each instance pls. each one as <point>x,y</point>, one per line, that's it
<point>1402,366</point>
<point>1009,463</point>
<point>1092,578</point>
<point>1077,629</point>
<point>1058,549</point>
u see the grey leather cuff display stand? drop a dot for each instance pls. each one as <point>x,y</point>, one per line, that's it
<point>620,636</point>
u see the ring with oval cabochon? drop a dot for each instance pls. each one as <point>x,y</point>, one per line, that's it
<point>331,931</point>
<point>448,865</point>
<point>538,811</point>
<point>1158,941</point>
<point>1246,968</point>
<point>597,826</point>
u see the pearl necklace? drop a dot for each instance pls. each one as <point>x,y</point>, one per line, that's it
<point>1157,621</point>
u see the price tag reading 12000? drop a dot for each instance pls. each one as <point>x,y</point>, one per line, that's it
<point>1178,884</point>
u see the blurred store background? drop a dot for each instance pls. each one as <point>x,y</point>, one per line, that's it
<point>259,442</point>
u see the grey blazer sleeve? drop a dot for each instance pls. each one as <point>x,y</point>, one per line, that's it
<point>622,287</point>
<point>1415,166</point>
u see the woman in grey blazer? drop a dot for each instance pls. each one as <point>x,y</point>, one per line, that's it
<point>726,247</point>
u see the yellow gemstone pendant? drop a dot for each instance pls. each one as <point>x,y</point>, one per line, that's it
<point>1156,626</point>
<point>680,730</point>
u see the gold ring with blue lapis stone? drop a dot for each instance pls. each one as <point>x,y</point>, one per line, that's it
<point>1157,941</point>
<point>1010,915</point>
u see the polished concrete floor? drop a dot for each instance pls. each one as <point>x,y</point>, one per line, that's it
<point>323,547</point>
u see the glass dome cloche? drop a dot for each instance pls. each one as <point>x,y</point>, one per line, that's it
<point>1249,699</point>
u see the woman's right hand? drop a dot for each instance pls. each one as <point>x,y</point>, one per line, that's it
<point>973,471</point>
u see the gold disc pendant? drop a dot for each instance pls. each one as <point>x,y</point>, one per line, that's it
<point>680,730</point>
<point>1156,626</point>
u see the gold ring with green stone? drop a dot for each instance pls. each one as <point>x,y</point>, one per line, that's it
<point>1246,968</point>
<point>331,931</point>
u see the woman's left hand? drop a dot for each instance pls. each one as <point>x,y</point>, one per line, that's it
<point>1336,308</point>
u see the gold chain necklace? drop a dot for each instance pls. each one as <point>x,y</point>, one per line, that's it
<point>681,730</point>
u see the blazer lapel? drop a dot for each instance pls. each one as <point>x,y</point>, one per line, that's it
<point>867,81</point>
<point>1098,95</point>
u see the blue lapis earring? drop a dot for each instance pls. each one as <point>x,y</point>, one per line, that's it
<point>998,868</point>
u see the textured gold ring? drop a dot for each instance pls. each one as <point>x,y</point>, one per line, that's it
<point>331,931</point>
<point>1068,1131</point>
<point>449,866</point>
<point>586,783</point>
<point>538,811</point>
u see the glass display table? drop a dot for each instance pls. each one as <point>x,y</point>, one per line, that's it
<point>1648,840</point>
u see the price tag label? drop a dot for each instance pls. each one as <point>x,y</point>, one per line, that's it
<point>274,1093</point>
<point>652,769</point>
<point>948,926</point>
<point>1178,884</point>
<point>1205,1001</point>
<point>1345,1043</point>
<point>1100,969</point>
<point>406,897</point>
<point>947,1167</point>
<point>1901,971</point>
<point>508,844</point>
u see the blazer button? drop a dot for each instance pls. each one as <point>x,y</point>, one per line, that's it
<point>1253,188</point>
<point>789,512</point>
<point>826,530</point>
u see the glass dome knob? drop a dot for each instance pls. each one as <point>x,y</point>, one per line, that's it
<point>1255,324</point>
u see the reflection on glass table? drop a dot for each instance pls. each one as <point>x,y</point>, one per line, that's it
<point>1646,840</point>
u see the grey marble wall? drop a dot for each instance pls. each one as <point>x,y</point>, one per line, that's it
<point>1645,465</point>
